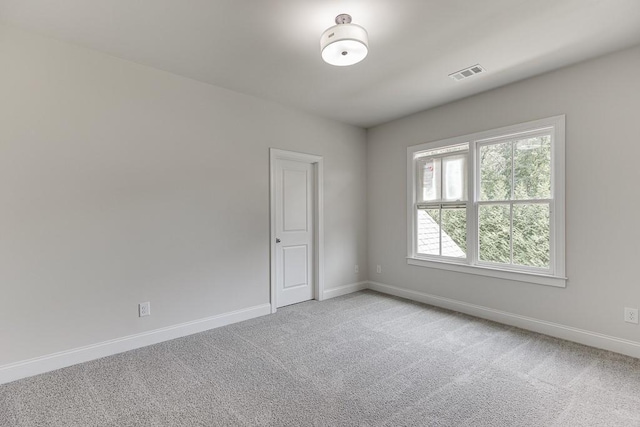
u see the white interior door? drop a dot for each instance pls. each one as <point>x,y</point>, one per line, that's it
<point>294,231</point>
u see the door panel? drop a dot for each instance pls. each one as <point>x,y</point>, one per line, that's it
<point>294,230</point>
<point>294,193</point>
<point>294,260</point>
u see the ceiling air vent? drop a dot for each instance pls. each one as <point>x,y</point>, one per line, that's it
<point>467,72</point>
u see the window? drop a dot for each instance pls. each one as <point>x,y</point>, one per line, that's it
<point>441,193</point>
<point>491,203</point>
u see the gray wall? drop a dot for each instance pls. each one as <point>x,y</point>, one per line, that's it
<point>601,100</point>
<point>121,184</point>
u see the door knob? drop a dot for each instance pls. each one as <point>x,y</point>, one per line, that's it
<point>277,240</point>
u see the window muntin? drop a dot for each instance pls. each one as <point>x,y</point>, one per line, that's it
<point>508,215</point>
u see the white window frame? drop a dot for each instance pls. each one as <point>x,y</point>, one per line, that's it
<point>555,275</point>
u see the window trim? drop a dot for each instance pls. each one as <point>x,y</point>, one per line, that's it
<point>555,275</point>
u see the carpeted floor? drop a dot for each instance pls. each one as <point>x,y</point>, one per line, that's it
<point>362,359</point>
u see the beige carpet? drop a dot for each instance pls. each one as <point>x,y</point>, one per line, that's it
<point>362,359</point>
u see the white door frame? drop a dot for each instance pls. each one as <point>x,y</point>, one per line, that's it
<point>318,219</point>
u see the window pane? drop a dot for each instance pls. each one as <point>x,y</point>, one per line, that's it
<point>454,232</point>
<point>531,235</point>
<point>532,168</point>
<point>495,171</point>
<point>428,179</point>
<point>454,177</point>
<point>428,231</point>
<point>494,229</point>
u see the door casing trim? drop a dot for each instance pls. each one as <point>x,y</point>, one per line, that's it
<point>318,219</point>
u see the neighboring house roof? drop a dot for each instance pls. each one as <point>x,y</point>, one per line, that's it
<point>429,238</point>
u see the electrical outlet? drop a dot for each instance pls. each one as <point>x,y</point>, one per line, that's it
<point>144,309</point>
<point>357,269</point>
<point>631,315</point>
<point>378,269</point>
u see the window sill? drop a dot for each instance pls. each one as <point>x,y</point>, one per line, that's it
<point>540,279</point>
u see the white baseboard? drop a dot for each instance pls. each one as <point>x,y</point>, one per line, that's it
<point>581,336</point>
<point>51,362</point>
<point>344,289</point>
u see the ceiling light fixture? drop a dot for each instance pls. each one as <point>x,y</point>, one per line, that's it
<point>344,43</point>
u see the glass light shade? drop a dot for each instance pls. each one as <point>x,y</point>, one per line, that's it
<point>344,44</point>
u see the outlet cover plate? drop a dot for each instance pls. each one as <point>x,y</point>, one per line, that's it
<point>631,315</point>
<point>144,309</point>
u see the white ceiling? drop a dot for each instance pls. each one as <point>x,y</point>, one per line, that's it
<point>270,48</point>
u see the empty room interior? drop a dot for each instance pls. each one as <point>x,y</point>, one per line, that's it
<point>328,213</point>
